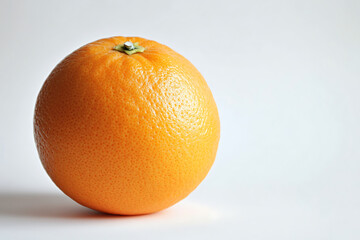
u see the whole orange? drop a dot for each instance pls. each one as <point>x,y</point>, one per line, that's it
<point>126,128</point>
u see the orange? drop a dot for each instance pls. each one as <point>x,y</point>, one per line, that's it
<point>126,131</point>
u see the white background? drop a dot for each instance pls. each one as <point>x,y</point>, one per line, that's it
<point>285,76</point>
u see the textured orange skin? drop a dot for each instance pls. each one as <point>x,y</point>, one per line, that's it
<point>126,134</point>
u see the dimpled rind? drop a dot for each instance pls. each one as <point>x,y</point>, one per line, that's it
<point>126,134</point>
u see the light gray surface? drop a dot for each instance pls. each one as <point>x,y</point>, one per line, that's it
<point>285,76</point>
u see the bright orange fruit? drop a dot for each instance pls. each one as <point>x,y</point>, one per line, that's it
<point>126,131</point>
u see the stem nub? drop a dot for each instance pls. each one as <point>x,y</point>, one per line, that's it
<point>129,48</point>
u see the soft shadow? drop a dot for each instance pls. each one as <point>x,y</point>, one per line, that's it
<point>46,205</point>
<point>33,206</point>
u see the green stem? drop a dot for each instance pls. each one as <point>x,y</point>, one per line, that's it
<point>129,48</point>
